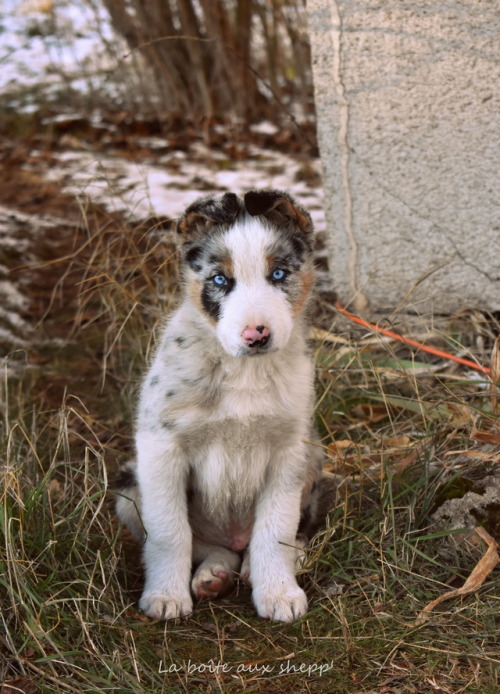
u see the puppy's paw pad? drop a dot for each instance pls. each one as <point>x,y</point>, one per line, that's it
<point>211,582</point>
<point>159,606</point>
<point>286,605</point>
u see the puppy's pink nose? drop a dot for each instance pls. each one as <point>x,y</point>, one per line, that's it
<point>256,335</point>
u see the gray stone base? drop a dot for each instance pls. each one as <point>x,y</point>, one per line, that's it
<point>409,130</point>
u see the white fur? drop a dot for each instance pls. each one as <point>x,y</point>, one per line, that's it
<point>237,425</point>
<point>254,301</point>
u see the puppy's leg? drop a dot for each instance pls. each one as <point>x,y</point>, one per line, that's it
<point>273,553</point>
<point>300,559</point>
<point>161,473</point>
<point>214,576</point>
<point>128,500</point>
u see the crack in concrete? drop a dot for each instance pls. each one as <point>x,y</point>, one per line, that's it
<point>360,301</point>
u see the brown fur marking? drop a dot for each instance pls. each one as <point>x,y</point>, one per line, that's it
<point>306,280</point>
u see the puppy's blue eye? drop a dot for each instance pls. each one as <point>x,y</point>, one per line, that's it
<point>278,275</point>
<point>220,280</point>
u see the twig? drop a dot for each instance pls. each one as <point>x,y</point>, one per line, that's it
<point>476,579</point>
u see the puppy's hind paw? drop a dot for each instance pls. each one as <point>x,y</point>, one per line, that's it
<point>159,606</point>
<point>211,582</point>
<point>245,570</point>
<point>285,605</point>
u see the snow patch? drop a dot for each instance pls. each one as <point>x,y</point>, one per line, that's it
<point>165,188</point>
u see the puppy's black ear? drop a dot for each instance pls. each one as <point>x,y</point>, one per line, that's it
<point>279,207</point>
<point>208,211</point>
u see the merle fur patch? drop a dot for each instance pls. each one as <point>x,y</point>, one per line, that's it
<point>212,296</point>
<point>206,212</point>
<point>125,478</point>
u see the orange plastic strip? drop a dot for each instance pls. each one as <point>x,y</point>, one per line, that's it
<point>413,343</point>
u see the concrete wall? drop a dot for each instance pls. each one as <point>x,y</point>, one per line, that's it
<point>407,98</point>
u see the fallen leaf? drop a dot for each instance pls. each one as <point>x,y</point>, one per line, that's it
<point>370,413</point>
<point>461,415</point>
<point>408,460</point>
<point>486,437</point>
<point>351,464</point>
<point>346,457</point>
<point>55,489</point>
<point>397,442</point>
<point>28,653</point>
<point>20,685</point>
<point>341,444</point>
<point>136,616</point>
<point>476,579</point>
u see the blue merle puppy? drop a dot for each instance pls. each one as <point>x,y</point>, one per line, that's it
<point>227,468</point>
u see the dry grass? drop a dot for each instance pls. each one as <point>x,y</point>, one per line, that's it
<point>70,578</point>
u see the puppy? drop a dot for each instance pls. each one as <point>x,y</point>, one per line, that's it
<point>227,468</point>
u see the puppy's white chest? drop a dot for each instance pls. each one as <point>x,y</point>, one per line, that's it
<point>248,400</point>
<point>252,389</point>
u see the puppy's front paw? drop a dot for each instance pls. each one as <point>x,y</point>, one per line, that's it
<point>281,605</point>
<point>159,606</point>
